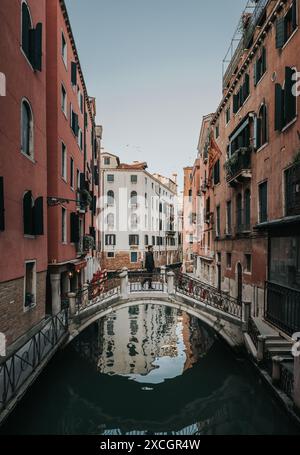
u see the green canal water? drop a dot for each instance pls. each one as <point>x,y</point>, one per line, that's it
<point>148,370</point>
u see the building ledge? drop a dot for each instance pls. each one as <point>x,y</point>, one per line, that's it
<point>281,222</point>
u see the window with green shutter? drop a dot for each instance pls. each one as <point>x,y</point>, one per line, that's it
<point>285,101</point>
<point>28,213</point>
<point>286,25</point>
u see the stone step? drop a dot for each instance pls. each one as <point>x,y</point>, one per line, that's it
<point>279,350</point>
<point>279,342</point>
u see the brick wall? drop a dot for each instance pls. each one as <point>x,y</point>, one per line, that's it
<point>14,321</point>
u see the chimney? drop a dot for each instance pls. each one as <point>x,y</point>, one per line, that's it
<point>175,177</point>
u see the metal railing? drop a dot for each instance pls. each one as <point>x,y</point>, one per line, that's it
<point>253,332</point>
<point>286,381</point>
<point>97,292</point>
<point>145,281</point>
<point>22,364</point>
<point>282,307</point>
<point>207,294</point>
<point>240,161</point>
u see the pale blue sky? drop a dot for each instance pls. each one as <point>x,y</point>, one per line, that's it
<point>155,68</point>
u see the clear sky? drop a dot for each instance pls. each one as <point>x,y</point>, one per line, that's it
<point>155,68</point>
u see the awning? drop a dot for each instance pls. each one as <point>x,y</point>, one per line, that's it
<point>281,222</point>
<point>79,265</point>
<point>239,129</point>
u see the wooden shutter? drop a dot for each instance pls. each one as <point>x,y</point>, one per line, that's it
<point>26,26</point>
<point>294,14</point>
<point>74,73</point>
<point>74,221</point>
<point>280,33</point>
<point>246,90</point>
<point>27,213</point>
<point>279,113</point>
<point>289,98</point>
<point>38,216</point>
<point>235,103</point>
<point>2,218</point>
<point>263,60</point>
<point>37,47</point>
<point>258,132</point>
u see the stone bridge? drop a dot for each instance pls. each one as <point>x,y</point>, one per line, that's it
<point>228,317</point>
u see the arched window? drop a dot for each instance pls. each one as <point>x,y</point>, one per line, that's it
<point>110,197</point>
<point>262,127</point>
<point>133,198</point>
<point>110,221</point>
<point>134,221</point>
<point>26,27</point>
<point>239,214</point>
<point>247,212</point>
<point>26,129</point>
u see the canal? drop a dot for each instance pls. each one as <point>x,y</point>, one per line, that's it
<point>148,370</point>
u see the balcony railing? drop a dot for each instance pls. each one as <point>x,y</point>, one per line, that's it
<point>283,307</point>
<point>85,244</point>
<point>238,167</point>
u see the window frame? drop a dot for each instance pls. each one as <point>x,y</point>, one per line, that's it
<point>26,102</point>
<point>64,228</point>
<point>64,55</point>
<point>34,285</point>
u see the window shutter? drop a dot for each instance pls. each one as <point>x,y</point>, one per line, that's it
<point>263,60</point>
<point>38,218</point>
<point>278,107</point>
<point>93,233</point>
<point>82,181</point>
<point>85,120</point>
<point>235,103</point>
<point>74,73</point>
<point>280,33</point>
<point>27,213</point>
<point>258,133</point>
<point>37,51</point>
<point>245,88</point>
<point>74,219</point>
<point>289,98</point>
<point>294,14</point>
<point>2,219</point>
<point>26,26</point>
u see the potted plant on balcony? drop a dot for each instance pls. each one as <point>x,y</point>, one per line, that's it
<point>230,163</point>
<point>85,198</point>
<point>88,243</point>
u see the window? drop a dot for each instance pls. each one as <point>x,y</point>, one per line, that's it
<point>262,127</point>
<point>228,218</point>
<point>146,240</point>
<point>146,181</point>
<point>133,240</point>
<point>190,195</point>
<point>110,254</point>
<point>64,49</point>
<point>247,207</point>
<point>30,284</point>
<point>218,224</point>
<point>248,263</point>
<point>78,179</point>
<point>74,74</point>
<point>153,240</point>
<point>217,131</point>
<point>260,66</point>
<point>63,225</point>
<point>292,190</point>
<point>63,161</point>
<point>219,257</point>
<point>110,239</point>
<point>228,260</point>
<point>110,219</point>
<point>285,261</point>
<point>133,256</point>
<point>74,121</point>
<point>133,178</point>
<point>239,213</point>
<point>107,160</point>
<point>240,138</point>
<point>146,200</point>
<point>72,172</point>
<point>27,130</point>
<point>286,25</point>
<point>110,197</point>
<point>285,100</point>
<point>216,172</point>
<point>263,202</point>
<point>134,221</point>
<point>63,100</point>
<point>133,198</point>
<point>80,101</point>
<point>31,39</point>
<point>110,178</point>
<point>227,115</point>
<point>33,218</point>
<point>240,97</point>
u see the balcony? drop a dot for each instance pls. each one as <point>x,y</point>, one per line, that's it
<point>238,167</point>
<point>85,244</point>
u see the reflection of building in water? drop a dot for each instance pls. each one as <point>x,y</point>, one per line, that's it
<point>133,338</point>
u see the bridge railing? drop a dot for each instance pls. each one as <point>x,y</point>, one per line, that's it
<point>16,369</point>
<point>145,281</point>
<point>187,285</point>
<point>96,292</point>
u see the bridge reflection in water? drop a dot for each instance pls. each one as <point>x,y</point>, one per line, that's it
<point>148,369</point>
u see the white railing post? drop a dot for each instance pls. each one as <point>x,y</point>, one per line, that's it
<point>297,381</point>
<point>246,308</point>
<point>163,273</point>
<point>170,283</point>
<point>124,283</point>
<point>276,360</point>
<point>85,294</point>
<point>260,347</point>
<point>72,304</point>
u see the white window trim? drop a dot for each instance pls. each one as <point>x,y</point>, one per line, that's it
<point>72,161</point>
<point>64,58</point>
<point>21,28</point>
<point>64,242</point>
<point>65,175</point>
<point>64,111</point>
<point>31,144</point>
<point>30,307</point>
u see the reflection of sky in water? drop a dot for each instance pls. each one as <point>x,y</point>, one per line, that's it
<point>165,367</point>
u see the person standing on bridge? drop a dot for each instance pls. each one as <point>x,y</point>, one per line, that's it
<point>149,266</point>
